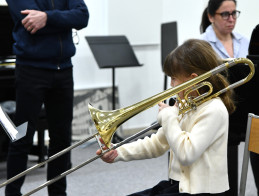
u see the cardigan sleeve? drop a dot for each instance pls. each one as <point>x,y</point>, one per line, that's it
<point>188,145</point>
<point>149,147</point>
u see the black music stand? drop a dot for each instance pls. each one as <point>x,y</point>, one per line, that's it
<point>112,52</point>
<point>169,41</point>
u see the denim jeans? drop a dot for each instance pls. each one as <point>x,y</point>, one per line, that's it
<point>54,89</point>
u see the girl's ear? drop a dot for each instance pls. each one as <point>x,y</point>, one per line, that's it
<point>194,75</point>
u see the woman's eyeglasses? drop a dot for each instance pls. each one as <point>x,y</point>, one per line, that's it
<point>225,15</point>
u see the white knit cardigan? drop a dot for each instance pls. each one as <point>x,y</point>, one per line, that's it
<point>197,143</point>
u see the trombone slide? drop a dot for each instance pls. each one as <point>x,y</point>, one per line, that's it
<point>92,159</point>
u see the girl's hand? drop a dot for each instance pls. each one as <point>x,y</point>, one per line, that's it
<point>108,157</point>
<point>162,105</point>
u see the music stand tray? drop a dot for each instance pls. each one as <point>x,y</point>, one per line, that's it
<point>112,52</point>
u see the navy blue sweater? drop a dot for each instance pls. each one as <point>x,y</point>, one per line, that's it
<point>52,46</point>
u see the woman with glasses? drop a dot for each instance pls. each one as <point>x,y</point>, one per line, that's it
<point>217,25</point>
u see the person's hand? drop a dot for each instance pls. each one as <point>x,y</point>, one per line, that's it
<point>108,157</point>
<point>162,105</point>
<point>34,20</point>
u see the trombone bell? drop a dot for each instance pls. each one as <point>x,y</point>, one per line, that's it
<point>101,118</point>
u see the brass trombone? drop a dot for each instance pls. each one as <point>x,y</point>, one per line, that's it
<point>107,122</point>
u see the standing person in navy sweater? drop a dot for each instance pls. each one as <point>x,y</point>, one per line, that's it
<point>44,75</point>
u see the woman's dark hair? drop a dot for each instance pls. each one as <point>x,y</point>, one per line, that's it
<point>211,9</point>
<point>197,56</point>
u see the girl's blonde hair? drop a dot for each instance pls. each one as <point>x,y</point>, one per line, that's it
<point>197,56</point>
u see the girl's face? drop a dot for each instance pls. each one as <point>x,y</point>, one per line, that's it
<point>221,22</point>
<point>175,81</point>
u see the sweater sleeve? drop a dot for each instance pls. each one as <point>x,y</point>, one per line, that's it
<point>149,147</point>
<point>188,145</point>
<point>16,7</point>
<point>76,16</point>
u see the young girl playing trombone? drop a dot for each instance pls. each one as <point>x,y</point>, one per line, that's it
<point>197,140</point>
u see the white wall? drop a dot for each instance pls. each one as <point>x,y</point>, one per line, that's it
<point>249,17</point>
<point>136,83</point>
<point>140,21</point>
<point>3,2</point>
